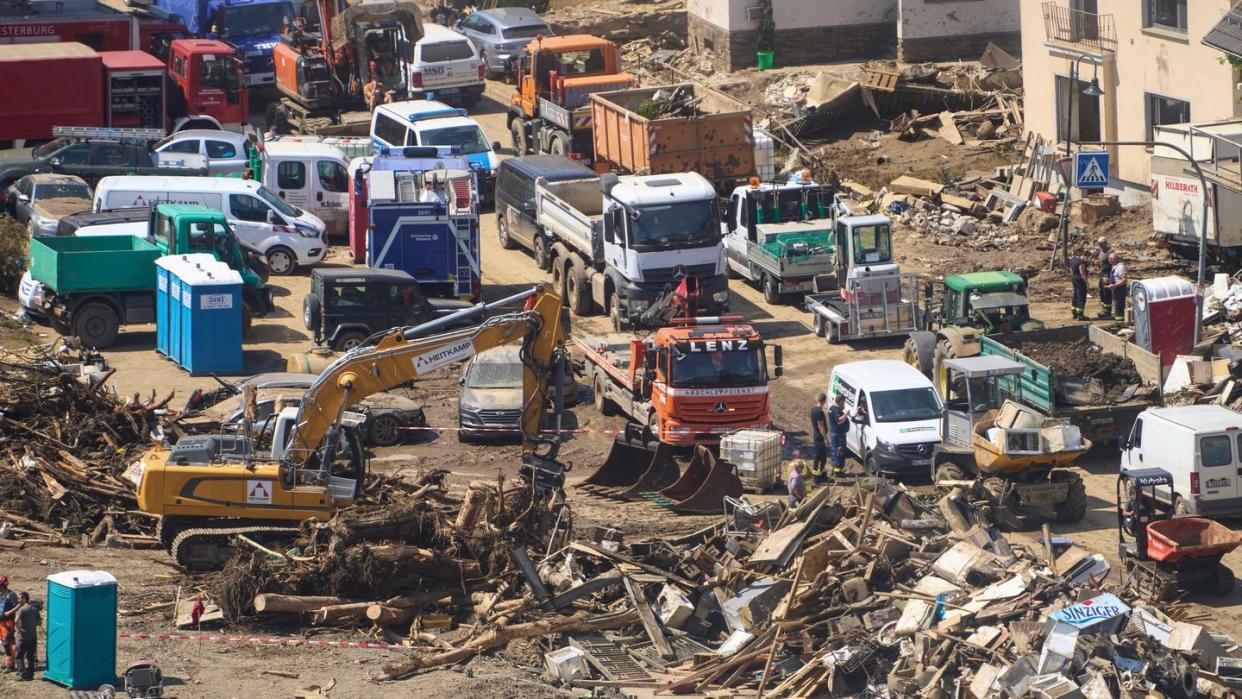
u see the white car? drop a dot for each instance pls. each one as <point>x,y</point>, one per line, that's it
<point>431,123</point>
<point>446,67</point>
<point>225,151</point>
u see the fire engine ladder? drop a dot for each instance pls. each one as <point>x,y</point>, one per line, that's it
<point>467,257</point>
<point>109,132</point>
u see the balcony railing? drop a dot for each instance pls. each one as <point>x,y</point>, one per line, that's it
<point>1086,31</point>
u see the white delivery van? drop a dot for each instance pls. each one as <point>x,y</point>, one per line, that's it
<point>310,176</point>
<point>1201,446</point>
<point>429,123</point>
<point>447,66</point>
<point>901,425</point>
<point>286,235</point>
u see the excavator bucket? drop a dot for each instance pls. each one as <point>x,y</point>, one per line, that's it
<point>633,466</point>
<point>661,472</point>
<point>705,485</point>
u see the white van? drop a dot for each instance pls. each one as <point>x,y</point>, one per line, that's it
<point>1201,446</point>
<point>430,123</point>
<point>286,235</point>
<point>901,425</point>
<point>310,176</point>
<point>447,67</point>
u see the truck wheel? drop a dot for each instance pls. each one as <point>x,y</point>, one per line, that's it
<point>311,311</point>
<point>614,312</point>
<point>831,333</point>
<point>559,144</point>
<point>518,131</point>
<point>502,231</point>
<point>920,352</point>
<point>348,340</point>
<point>771,290</point>
<point>817,323</point>
<point>541,252</point>
<point>281,261</point>
<point>1075,506</point>
<point>96,326</point>
<point>384,430</point>
<point>605,406</point>
<point>558,276</point>
<point>1222,580</point>
<point>578,289</point>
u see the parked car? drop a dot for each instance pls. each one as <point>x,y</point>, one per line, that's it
<point>225,151</point>
<point>446,65</point>
<point>95,158</point>
<point>899,429</point>
<point>346,306</point>
<point>389,417</point>
<point>39,201</point>
<point>431,123</point>
<point>490,403</point>
<point>1199,446</point>
<point>501,34</point>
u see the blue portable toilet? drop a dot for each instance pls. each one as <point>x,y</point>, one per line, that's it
<point>211,330</point>
<point>179,268</point>
<point>81,628</point>
<point>163,319</point>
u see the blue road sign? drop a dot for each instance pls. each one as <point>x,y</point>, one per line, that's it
<point>1091,169</point>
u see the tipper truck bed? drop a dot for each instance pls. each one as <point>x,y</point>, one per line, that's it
<point>1101,412</point>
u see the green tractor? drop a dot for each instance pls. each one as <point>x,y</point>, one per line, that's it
<point>971,305</point>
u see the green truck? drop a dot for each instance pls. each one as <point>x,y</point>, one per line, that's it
<point>91,286</point>
<point>780,236</point>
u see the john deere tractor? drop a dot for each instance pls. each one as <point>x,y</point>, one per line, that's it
<point>970,306</point>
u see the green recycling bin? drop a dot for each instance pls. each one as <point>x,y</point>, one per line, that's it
<point>765,59</point>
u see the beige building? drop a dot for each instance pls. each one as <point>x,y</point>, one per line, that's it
<point>1151,65</point>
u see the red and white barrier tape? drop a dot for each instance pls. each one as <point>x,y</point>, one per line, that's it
<point>580,430</point>
<point>268,640</point>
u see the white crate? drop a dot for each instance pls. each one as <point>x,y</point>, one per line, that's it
<point>756,454</point>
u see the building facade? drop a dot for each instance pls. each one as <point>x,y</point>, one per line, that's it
<point>1149,62</point>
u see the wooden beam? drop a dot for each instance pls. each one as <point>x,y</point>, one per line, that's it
<point>648,618</point>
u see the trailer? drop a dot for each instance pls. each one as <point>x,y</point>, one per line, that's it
<point>674,128</point>
<point>1058,393</point>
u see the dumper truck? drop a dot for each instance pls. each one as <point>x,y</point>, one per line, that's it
<point>94,285</point>
<point>674,128</point>
<point>779,236</point>
<point>1111,382</point>
<point>622,244</point>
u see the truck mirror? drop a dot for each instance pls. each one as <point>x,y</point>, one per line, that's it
<point>271,217</point>
<point>1123,443</point>
<point>495,146</point>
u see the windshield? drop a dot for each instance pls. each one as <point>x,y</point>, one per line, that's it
<point>571,63</point>
<point>62,189</point>
<point>717,368</point>
<point>873,244</point>
<point>530,31</point>
<point>469,138</point>
<point>49,148</point>
<point>905,405</point>
<point>674,225</point>
<point>277,203</point>
<point>242,20</point>
<point>220,72</point>
<point>446,51</point>
<point>785,205</point>
<point>495,375</point>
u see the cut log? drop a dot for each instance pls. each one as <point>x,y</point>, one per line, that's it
<point>385,615</point>
<point>479,497</point>
<point>292,604</point>
<point>496,637</point>
<point>426,563</point>
<point>339,612</point>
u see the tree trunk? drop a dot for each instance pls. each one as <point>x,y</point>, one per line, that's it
<point>474,508</point>
<point>426,563</point>
<point>292,604</point>
<point>496,637</point>
<point>385,615</point>
<point>339,612</point>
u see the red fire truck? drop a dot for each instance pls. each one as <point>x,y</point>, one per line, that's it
<point>103,27</point>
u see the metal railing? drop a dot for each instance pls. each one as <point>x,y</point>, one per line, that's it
<point>1225,150</point>
<point>1084,30</point>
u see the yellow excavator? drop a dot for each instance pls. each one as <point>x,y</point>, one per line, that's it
<point>301,463</point>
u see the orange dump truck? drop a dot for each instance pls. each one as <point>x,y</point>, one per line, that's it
<point>674,128</point>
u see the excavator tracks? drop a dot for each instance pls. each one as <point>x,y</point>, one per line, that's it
<point>186,546</point>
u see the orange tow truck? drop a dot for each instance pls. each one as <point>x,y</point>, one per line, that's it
<point>688,383</point>
<point>550,109</point>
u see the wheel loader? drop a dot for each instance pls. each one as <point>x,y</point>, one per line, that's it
<point>1010,456</point>
<point>299,464</point>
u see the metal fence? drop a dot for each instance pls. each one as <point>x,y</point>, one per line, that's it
<point>1086,30</point>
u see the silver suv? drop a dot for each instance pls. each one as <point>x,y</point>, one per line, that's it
<point>501,34</point>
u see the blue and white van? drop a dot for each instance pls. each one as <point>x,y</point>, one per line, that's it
<point>430,123</point>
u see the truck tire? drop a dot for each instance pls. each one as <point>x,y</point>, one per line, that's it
<point>940,377</point>
<point>1075,506</point>
<point>817,324</point>
<point>771,290</point>
<point>577,288</point>
<point>521,145</point>
<point>560,265</point>
<point>558,144</point>
<point>96,326</point>
<point>348,340</point>
<point>1222,580</point>
<point>602,403</point>
<point>312,311</point>
<point>542,260</point>
<point>614,312</point>
<point>281,261</point>
<point>502,232</point>
<point>920,352</point>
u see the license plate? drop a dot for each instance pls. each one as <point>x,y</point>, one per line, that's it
<point>434,70</point>
<point>921,462</point>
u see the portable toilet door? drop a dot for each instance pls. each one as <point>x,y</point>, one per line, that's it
<point>81,628</point>
<point>1164,316</point>
<point>163,318</point>
<point>174,310</point>
<point>212,334</point>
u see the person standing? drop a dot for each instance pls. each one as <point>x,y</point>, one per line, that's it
<point>8,605</point>
<point>1119,286</point>
<point>839,424</point>
<point>440,14</point>
<point>1079,279</point>
<point>372,91</point>
<point>819,430</point>
<point>27,636</point>
<point>1102,259</point>
<point>795,485</point>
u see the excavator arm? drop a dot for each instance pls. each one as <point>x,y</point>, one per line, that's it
<point>405,354</point>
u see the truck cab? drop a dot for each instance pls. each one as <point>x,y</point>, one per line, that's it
<point>311,176</point>
<point>252,26</point>
<point>210,82</point>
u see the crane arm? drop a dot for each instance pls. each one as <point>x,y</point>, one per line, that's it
<point>401,356</point>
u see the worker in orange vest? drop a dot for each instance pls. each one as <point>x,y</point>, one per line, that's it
<point>8,602</point>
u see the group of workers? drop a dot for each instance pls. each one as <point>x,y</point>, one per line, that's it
<point>829,429</point>
<point>1113,284</point>
<point>19,631</point>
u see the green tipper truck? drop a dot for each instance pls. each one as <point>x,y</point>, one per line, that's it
<point>91,286</point>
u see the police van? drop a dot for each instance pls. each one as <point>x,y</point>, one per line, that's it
<point>429,123</point>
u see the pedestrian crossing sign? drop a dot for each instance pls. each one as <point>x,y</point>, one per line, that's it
<point>1091,169</point>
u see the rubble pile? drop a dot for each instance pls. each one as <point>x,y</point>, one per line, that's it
<point>621,21</point>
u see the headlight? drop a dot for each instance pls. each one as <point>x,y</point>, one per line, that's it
<point>881,445</point>
<point>307,232</point>
<point>638,305</point>
<point>721,296</point>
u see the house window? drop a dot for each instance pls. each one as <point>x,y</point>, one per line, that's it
<point>1163,110</point>
<point>1165,14</point>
